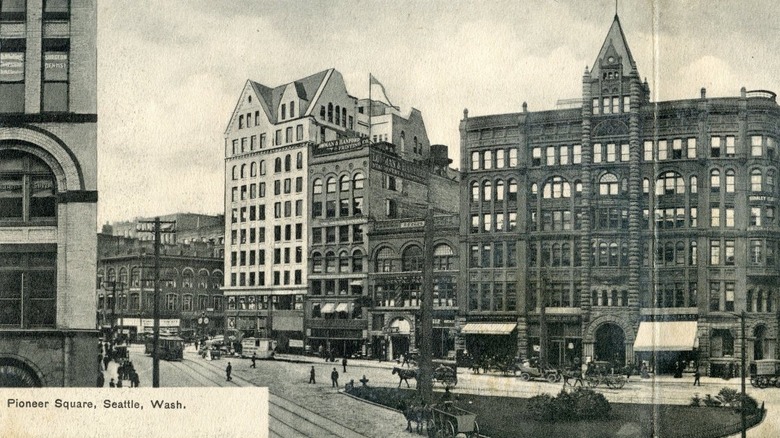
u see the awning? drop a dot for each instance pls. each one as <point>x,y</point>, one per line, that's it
<point>342,307</point>
<point>328,308</point>
<point>488,328</point>
<point>666,336</point>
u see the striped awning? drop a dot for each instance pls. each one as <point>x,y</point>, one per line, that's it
<point>488,328</point>
<point>666,336</point>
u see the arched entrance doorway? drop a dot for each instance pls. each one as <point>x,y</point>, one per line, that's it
<point>400,333</point>
<point>16,374</point>
<point>610,344</point>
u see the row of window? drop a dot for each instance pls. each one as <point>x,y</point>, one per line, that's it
<point>265,302</point>
<point>169,277</point>
<point>493,222</point>
<point>493,255</point>
<point>409,294</point>
<point>252,258</point>
<point>411,259</point>
<point>330,210</point>
<point>254,191</point>
<point>487,193</point>
<point>330,264</point>
<point>495,296</point>
<point>343,231</point>
<point>189,303</point>
<point>257,212</point>
<point>494,159</point>
<point>251,143</point>
<point>344,183</point>
<point>342,286</point>
<point>336,115</point>
<point>611,104</point>
<point>256,168</point>
<point>258,278</point>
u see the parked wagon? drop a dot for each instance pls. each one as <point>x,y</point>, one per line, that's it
<point>765,373</point>
<point>602,373</point>
<point>449,421</point>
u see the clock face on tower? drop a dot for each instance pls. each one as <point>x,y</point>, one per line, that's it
<point>611,59</point>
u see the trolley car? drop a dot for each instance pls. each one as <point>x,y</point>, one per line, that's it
<point>168,347</point>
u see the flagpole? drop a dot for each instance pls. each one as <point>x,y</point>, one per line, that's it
<point>370,105</point>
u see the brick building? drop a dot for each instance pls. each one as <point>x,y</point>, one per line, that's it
<point>48,195</point>
<point>190,287</point>
<point>619,222</point>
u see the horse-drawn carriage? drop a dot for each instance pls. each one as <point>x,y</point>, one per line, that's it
<point>448,420</point>
<point>598,373</point>
<point>765,373</point>
<point>446,375</point>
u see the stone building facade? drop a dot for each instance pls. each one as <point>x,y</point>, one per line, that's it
<point>48,194</point>
<point>620,224</point>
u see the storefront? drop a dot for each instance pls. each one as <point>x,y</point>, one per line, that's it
<point>667,347</point>
<point>490,339</point>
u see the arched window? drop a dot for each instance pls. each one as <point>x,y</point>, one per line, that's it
<point>512,189</point>
<point>234,173</point>
<point>499,190</point>
<point>694,184</point>
<point>344,183</point>
<point>135,276</point>
<point>577,188</point>
<point>287,162</point>
<point>357,261</point>
<point>203,279</point>
<point>299,160</point>
<point>613,254</point>
<point>693,255</point>
<point>262,167</point>
<point>343,261</point>
<point>443,258</point>
<point>565,254</point>
<point>670,183</point>
<point>534,190</point>
<point>243,171</point>
<point>316,263</point>
<point>330,112</point>
<point>403,141</point>
<point>357,181</point>
<point>556,187</point>
<point>278,165</point>
<point>679,250</point>
<point>487,191</point>
<point>338,115</point>
<point>755,180</point>
<point>474,191</point>
<point>330,262</point>
<point>317,190</point>
<point>187,278</point>
<point>331,185</point>
<point>122,276</point>
<point>385,260</point>
<point>169,277</point>
<point>111,275</point>
<point>556,255</point>
<point>646,186</point>
<point>253,169</point>
<point>603,260</point>
<point>715,180</point>
<point>28,188</point>
<point>730,180</point>
<point>344,117</point>
<point>608,184</point>
<point>412,259</point>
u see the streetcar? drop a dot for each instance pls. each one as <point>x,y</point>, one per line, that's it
<point>168,347</point>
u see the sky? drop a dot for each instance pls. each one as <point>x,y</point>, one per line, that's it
<point>170,72</point>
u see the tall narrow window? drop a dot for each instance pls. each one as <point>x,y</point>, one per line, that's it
<point>28,281</point>
<point>55,75</point>
<point>12,75</point>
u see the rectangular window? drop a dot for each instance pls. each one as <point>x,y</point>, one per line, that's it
<point>647,150</point>
<point>729,252</point>
<point>610,152</point>
<point>550,156</point>
<point>715,147</point>
<point>755,216</point>
<point>28,287</point>
<point>714,296</point>
<point>299,133</point>
<point>715,216</point>
<point>536,157</point>
<point>624,152</point>
<point>597,152</point>
<point>691,148</point>
<point>729,304</point>
<point>563,153</point>
<point>663,151</point>
<point>729,217</point>
<point>677,149</point>
<point>12,66</point>
<point>576,153</point>
<point>730,146</point>
<point>715,252</point>
<point>55,75</point>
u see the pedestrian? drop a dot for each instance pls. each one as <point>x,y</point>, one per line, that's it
<point>334,378</point>
<point>405,359</point>
<point>101,380</point>
<point>311,375</point>
<point>118,383</point>
<point>344,363</point>
<point>254,358</point>
<point>106,360</point>
<point>228,370</point>
<point>111,384</point>
<point>697,377</point>
<point>100,359</point>
<point>134,379</point>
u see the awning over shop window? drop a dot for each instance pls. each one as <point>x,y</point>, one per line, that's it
<point>343,307</point>
<point>488,328</point>
<point>666,336</point>
<point>328,308</point>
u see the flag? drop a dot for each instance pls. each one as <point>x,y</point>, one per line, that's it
<point>373,81</point>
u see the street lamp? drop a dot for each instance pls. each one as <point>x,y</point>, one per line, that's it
<point>742,315</point>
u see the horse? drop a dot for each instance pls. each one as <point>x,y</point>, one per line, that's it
<point>419,413</point>
<point>405,375</point>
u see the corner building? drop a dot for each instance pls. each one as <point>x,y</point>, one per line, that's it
<point>48,193</point>
<point>621,224</point>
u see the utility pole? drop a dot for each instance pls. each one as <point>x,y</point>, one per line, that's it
<point>543,319</point>
<point>426,310</point>
<point>742,402</point>
<point>156,229</point>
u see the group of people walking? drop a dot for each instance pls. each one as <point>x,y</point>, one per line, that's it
<point>334,375</point>
<point>107,353</point>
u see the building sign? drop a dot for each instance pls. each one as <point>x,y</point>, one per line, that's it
<point>415,224</point>
<point>149,322</point>
<point>296,343</point>
<point>762,198</point>
<point>55,66</point>
<point>397,167</point>
<point>341,145</point>
<point>11,66</point>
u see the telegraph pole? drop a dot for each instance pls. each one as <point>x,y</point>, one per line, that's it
<point>426,311</point>
<point>156,229</point>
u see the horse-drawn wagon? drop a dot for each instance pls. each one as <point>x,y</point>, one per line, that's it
<point>448,421</point>
<point>765,373</point>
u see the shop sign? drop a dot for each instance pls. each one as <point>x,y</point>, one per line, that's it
<point>397,167</point>
<point>341,145</point>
